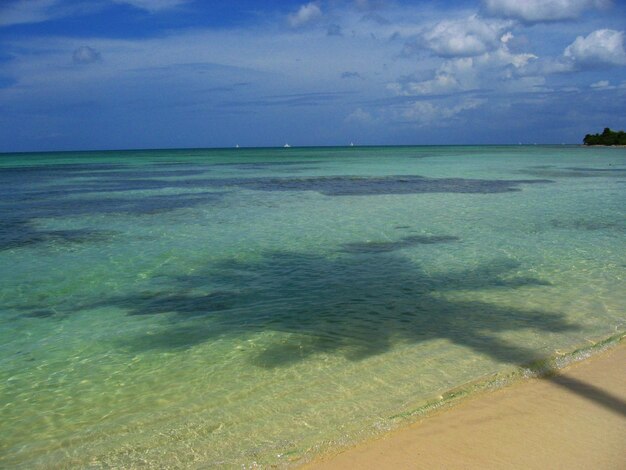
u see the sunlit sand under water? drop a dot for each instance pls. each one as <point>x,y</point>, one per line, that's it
<point>255,307</point>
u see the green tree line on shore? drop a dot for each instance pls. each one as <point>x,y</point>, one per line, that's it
<point>608,137</point>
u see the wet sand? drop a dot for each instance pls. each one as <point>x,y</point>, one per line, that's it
<point>575,420</point>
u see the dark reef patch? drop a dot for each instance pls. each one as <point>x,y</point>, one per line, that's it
<point>330,186</point>
<point>53,204</point>
<point>270,165</point>
<point>60,168</point>
<point>65,190</point>
<point>368,186</point>
<point>18,233</point>
<point>618,170</point>
<point>387,246</point>
<point>142,173</point>
<point>41,313</point>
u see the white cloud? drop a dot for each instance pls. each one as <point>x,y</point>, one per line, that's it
<point>602,85</point>
<point>305,14</point>
<point>464,38</point>
<point>506,38</point>
<point>602,47</point>
<point>359,116</point>
<point>31,11</point>
<point>153,5</point>
<point>38,11</point>
<point>499,70</point>
<point>85,55</point>
<point>426,113</point>
<point>535,11</point>
<point>443,82</point>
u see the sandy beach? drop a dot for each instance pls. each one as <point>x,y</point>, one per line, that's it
<point>575,420</point>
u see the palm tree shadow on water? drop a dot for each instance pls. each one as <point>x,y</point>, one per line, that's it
<point>354,304</point>
<point>357,305</point>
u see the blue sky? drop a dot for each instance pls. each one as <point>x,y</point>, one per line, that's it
<point>110,74</point>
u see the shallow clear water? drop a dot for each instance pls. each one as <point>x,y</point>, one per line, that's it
<point>225,307</point>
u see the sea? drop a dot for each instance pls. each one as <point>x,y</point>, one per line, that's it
<point>256,308</point>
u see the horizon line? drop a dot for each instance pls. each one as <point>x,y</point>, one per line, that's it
<point>291,147</point>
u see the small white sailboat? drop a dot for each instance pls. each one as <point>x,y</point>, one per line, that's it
<point>286,146</point>
<point>351,144</point>
<point>237,146</point>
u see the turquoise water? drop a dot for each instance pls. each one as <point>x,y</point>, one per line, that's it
<point>194,308</point>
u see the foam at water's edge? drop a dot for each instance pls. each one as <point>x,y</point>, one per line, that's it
<point>546,367</point>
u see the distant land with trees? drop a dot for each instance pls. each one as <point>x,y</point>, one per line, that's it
<point>608,137</point>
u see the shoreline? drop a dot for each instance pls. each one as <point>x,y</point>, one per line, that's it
<point>568,412</point>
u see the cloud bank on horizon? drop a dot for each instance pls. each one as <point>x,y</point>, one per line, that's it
<point>106,74</point>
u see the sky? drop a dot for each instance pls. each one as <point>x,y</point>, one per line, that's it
<point>122,74</point>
